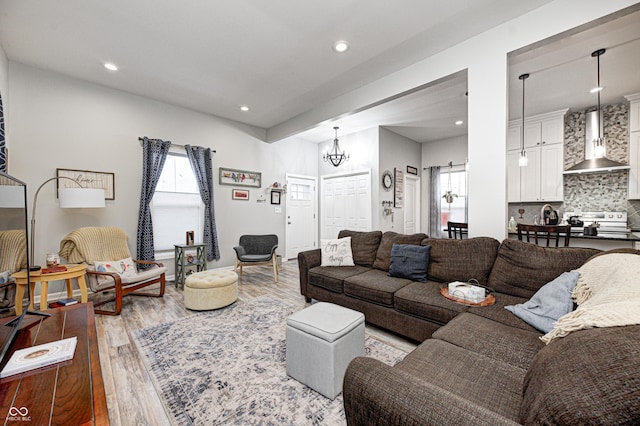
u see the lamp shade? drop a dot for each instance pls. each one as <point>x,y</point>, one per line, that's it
<point>79,198</point>
<point>12,196</point>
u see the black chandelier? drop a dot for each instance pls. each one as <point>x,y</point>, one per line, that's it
<point>335,156</point>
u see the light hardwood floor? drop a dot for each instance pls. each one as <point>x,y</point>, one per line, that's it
<point>131,396</point>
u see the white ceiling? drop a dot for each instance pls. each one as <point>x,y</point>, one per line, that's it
<point>275,57</point>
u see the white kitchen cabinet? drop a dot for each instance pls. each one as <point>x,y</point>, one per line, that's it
<point>551,177</point>
<point>634,163</point>
<point>634,112</point>
<point>542,178</point>
<point>634,146</point>
<point>513,176</point>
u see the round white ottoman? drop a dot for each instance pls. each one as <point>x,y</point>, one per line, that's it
<point>210,290</point>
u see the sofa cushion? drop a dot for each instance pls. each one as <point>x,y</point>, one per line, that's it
<point>364,245</point>
<point>424,300</point>
<point>588,377</point>
<point>497,340</point>
<point>389,238</point>
<point>461,260</point>
<point>522,268</point>
<point>331,277</point>
<point>487,382</point>
<point>409,261</point>
<point>498,313</point>
<point>374,286</point>
<point>549,303</point>
<point>336,252</point>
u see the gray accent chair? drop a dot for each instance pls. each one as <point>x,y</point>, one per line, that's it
<point>257,250</point>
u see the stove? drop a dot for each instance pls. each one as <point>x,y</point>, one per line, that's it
<point>608,222</point>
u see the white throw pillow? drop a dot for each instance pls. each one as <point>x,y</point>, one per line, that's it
<point>336,252</point>
<point>123,267</point>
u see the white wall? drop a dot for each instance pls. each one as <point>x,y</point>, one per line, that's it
<point>59,121</point>
<point>398,152</point>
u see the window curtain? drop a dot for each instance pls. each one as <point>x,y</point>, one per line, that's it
<point>434,202</point>
<point>200,159</point>
<point>154,154</point>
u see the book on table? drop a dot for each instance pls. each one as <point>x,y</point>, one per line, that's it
<point>40,356</point>
<point>66,302</point>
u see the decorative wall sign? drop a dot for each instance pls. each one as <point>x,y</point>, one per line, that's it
<point>398,193</point>
<point>3,147</point>
<point>412,170</point>
<point>88,179</point>
<point>240,178</point>
<point>240,194</point>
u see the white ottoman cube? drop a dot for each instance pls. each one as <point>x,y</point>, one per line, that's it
<point>210,289</point>
<point>321,341</point>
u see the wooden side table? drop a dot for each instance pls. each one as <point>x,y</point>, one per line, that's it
<point>182,264</point>
<point>73,271</point>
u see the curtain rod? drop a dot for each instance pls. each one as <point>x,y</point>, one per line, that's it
<point>447,165</point>
<point>175,144</point>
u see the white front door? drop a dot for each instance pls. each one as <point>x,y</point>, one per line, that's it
<point>412,203</point>
<point>302,222</point>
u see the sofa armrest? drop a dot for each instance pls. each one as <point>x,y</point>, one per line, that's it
<point>377,394</point>
<point>307,260</point>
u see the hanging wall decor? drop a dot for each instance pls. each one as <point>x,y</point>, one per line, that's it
<point>3,147</point>
<point>240,178</point>
<point>398,193</point>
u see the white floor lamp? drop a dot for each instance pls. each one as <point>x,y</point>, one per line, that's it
<point>70,198</point>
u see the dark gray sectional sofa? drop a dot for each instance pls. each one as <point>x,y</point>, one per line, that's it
<point>475,365</point>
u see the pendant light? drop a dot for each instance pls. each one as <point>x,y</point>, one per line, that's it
<point>523,161</point>
<point>335,156</point>
<point>599,147</point>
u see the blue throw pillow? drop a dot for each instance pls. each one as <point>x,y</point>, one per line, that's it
<point>549,303</point>
<point>409,261</point>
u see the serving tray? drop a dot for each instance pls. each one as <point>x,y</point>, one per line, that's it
<point>488,301</point>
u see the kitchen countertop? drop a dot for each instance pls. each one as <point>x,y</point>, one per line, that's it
<point>604,236</point>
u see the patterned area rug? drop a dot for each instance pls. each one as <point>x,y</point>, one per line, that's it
<point>228,367</point>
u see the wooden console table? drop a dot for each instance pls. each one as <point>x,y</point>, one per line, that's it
<point>73,271</point>
<point>67,393</point>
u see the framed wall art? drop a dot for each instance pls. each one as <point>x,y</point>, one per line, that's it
<point>88,179</point>
<point>412,170</point>
<point>240,194</point>
<point>275,197</point>
<point>240,178</point>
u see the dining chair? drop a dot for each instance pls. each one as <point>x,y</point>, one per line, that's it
<point>545,232</point>
<point>456,229</point>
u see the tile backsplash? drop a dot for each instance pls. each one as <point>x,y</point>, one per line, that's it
<point>596,191</point>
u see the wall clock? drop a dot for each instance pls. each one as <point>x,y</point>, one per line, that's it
<point>387,180</point>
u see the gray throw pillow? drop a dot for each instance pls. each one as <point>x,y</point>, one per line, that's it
<point>409,261</point>
<point>548,304</point>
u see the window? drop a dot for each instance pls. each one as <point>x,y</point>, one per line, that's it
<point>300,192</point>
<point>176,206</point>
<point>457,210</point>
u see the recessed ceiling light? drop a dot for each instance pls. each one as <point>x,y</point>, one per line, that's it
<point>459,123</point>
<point>340,46</point>
<point>244,108</point>
<point>110,66</point>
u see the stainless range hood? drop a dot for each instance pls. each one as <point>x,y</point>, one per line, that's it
<point>591,164</point>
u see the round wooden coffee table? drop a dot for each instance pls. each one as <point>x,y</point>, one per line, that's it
<point>73,271</point>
